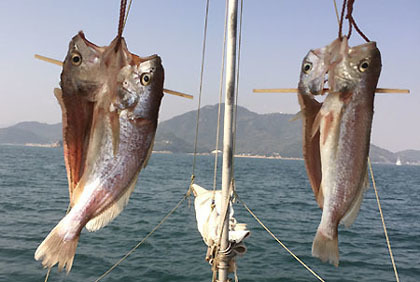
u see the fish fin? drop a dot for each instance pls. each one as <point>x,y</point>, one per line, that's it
<point>325,249</point>
<point>115,128</point>
<point>54,249</point>
<point>113,210</point>
<point>76,119</point>
<point>316,124</point>
<point>149,153</point>
<point>311,154</point>
<point>297,116</point>
<point>320,197</point>
<point>351,215</point>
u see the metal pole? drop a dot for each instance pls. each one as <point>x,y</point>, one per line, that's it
<point>228,136</point>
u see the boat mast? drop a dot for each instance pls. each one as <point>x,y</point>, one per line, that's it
<point>228,134</point>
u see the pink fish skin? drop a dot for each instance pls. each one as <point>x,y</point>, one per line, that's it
<point>345,125</point>
<point>81,81</point>
<point>315,66</point>
<point>123,126</point>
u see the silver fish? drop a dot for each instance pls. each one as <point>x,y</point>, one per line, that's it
<point>120,141</point>
<point>344,122</point>
<point>315,66</point>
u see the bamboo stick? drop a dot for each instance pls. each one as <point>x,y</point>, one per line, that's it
<point>295,90</point>
<point>60,63</point>
<point>49,60</point>
<point>176,93</point>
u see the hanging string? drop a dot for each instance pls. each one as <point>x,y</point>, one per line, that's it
<point>222,71</point>
<point>383,221</point>
<point>128,11</point>
<point>349,16</point>
<point>352,22</point>
<point>336,12</point>
<point>275,238</point>
<point>340,25</point>
<point>123,6</point>
<point>201,87</point>
<point>145,238</point>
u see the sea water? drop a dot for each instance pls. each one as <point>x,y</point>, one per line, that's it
<point>34,197</point>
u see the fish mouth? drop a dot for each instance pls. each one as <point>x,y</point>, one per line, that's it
<point>339,49</point>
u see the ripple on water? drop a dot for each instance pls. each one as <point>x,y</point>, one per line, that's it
<point>35,197</point>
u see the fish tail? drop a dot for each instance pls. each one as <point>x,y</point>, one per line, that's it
<point>326,249</point>
<point>57,249</point>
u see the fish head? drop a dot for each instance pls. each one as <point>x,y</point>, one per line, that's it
<point>360,65</point>
<point>81,73</point>
<point>140,87</point>
<point>365,62</point>
<point>316,65</point>
<point>312,75</point>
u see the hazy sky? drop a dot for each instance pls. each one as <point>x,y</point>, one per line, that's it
<point>276,37</point>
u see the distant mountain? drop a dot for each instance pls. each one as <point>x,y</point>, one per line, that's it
<point>408,156</point>
<point>257,134</point>
<point>30,132</point>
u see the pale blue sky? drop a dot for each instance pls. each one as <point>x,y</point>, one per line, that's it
<point>276,37</point>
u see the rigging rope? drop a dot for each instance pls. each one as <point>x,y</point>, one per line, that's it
<point>147,236</point>
<point>383,221</point>
<point>336,12</point>
<point>201,87</point>
<point>275,238</point>
<point>48,274</point>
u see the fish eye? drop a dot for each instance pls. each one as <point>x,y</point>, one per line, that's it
<point>307,67</point>
<point>76,59</point>
<point>363,66</point>
<point>145,79</point>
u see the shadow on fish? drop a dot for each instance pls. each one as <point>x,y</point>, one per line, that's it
<point>110,101</point>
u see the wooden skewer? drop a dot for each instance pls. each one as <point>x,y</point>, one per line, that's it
<point>49,60</point>
<point>294,90</point>
<point>60,63</point>
<point>180,94</point>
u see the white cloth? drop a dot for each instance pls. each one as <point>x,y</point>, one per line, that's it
<point>208,219</point>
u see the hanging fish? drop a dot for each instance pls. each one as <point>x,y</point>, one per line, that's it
<point>344,122</point>
<point>120,95</point>
<point>315,66</point>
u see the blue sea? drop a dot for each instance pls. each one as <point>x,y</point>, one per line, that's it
<point>34,197</point>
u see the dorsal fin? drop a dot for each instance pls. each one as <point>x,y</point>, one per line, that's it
<point>316,124</point>
<point>297,116</point>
